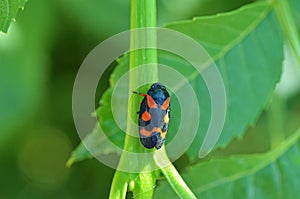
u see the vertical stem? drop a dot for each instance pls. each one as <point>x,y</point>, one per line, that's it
<point>119,186</point>
<point>143,14</point>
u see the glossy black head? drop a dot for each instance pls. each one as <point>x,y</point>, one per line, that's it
<point>158,92</point>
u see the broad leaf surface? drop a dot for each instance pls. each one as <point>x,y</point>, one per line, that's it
<point>250,70</point>
<point>241,50</point>
<point>295,7</point>
<point>96,142</point>
<point>8,12</point>
<point>179,10</point>
<point>271,175</point>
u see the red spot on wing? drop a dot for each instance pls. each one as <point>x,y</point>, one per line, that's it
<point>166,103</point>
<point>151,103</point>
<point>146,116</point>
<point>145,133</point>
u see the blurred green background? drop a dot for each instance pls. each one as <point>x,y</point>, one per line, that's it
<point>39,58</point>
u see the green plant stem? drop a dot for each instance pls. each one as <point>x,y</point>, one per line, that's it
<point>172,175</point>
<point>177,183</point>
<point>119,186</point>
<point>143,14</point>
<point>289,26</point>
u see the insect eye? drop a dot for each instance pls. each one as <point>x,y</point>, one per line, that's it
<point>153,86</point>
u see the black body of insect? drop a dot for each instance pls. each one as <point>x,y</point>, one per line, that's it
<point>154,116</point>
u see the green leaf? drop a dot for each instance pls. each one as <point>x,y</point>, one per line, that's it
<point>249,68</point>
<point>95,141</point>
<point>273,175</point>
<point>97,144</point>
<point>295,7</point>
<point>179,10</point>
<point>8,12</point>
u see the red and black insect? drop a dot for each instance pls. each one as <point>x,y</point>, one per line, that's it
<point>154,116</point>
